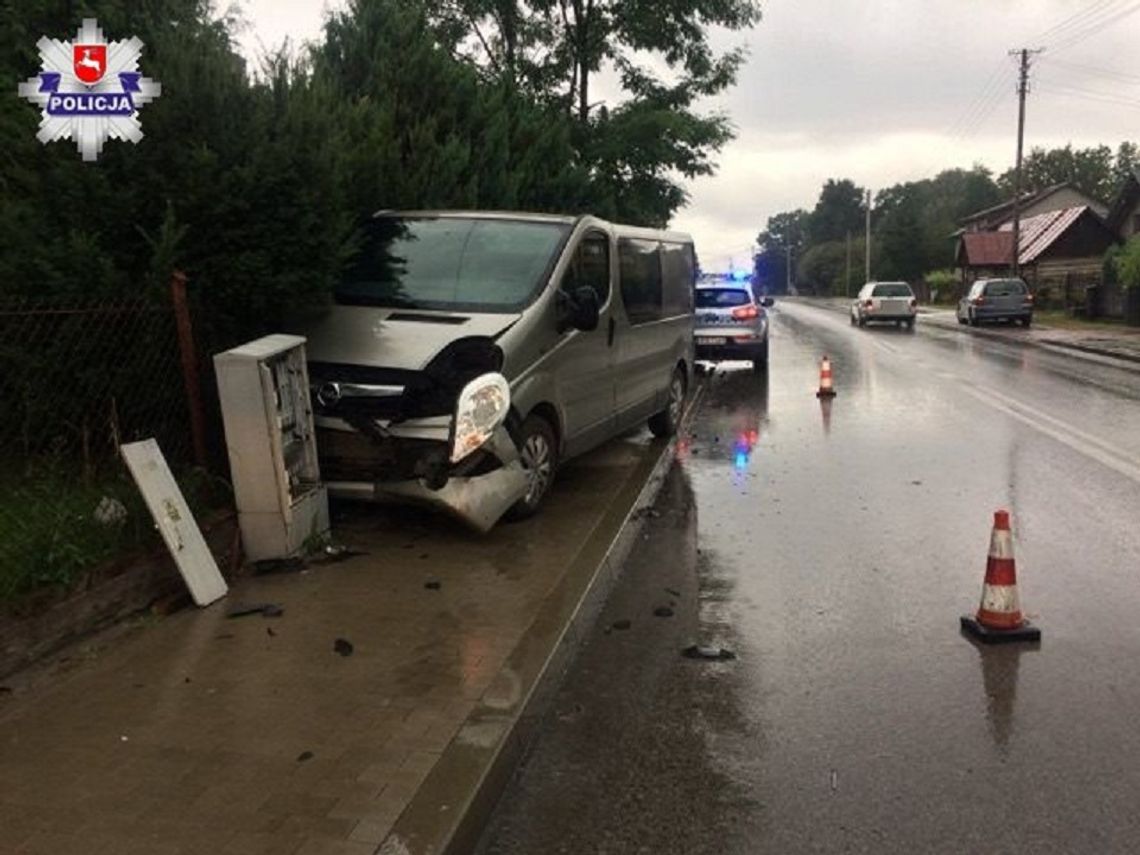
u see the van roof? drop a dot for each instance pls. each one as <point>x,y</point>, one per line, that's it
<point>529,216</point>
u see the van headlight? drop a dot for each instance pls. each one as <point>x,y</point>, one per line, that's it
<point>482,407</point>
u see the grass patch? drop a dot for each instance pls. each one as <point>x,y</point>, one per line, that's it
<point>51,534</point>
<point>1064,321</point>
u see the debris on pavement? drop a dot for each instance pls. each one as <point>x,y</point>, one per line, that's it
<point>110,511</point>
<point>277,565</point>
<point>264,609</point>
<point>433,585</point>
<point>269,631</point>
<point>304,755</point>
<point>334,553</point>
<point>663,611</point>
<point>646,511</point>
<point>624,623</point>
<point>343,646</point>
<point>673,593</point>
<point>706,652</point>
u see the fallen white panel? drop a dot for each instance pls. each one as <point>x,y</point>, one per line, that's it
<point>174,520</point>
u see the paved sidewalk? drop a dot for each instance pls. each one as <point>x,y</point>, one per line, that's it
<point>202,734</point>
<point>1122,343</point>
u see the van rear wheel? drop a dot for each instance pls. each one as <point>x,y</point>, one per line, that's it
<point>538,454</point>
<point>665,423</point>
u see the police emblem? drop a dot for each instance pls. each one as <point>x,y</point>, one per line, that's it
<point>90,90</point>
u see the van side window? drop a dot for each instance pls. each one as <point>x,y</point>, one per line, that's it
<point>590,267</point>
<point>679,275</point>
<point>640,264</point>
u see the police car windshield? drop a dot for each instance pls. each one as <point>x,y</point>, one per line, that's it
<point>451,263</point>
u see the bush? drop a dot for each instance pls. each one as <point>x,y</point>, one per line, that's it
<point>1127,264</point>
<point>945,286</point>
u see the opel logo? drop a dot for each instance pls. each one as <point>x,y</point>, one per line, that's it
<point>329,394</point>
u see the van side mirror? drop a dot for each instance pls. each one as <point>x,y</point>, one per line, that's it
<point>579,310</point>
<point>767,302</point>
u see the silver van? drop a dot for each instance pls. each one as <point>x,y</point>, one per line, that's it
<point>590,324</point>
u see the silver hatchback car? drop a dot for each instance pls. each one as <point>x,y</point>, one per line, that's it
<point>731,325</point>
<point>996,300</point>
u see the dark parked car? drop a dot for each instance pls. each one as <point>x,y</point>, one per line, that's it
<point>996,300</point>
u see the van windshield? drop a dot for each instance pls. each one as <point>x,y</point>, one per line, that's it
<point>451,263</point>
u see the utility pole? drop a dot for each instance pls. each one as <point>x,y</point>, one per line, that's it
<point>867,245</point>
<point>848,263</point>
<point>788,269</point>
<point>1022,91</point>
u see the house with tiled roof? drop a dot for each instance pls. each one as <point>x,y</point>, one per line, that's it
<point>1053,245</point>
<point>1056,198</point>
<point>1064,236</point>
<point>1124,215</point>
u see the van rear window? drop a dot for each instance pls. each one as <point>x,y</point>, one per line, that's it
<point>712,298</point>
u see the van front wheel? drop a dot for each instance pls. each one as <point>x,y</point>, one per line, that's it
<point>538,454</point>
<point>665,423</point>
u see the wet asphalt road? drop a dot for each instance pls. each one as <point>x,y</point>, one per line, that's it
<point>833,548</point>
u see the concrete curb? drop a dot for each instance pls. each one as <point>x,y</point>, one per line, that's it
<point>1066,348</point>
<point>447,814</point>
<point>1098,351</point>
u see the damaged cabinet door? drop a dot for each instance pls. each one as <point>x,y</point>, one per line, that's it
<point>174,520</point>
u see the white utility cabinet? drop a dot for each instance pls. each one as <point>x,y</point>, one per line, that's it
<point>264,391</point>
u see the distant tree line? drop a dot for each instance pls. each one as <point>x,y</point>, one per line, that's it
<point>911,223</point>
<point>256,184</point>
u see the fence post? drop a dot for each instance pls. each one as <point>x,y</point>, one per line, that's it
<point>189,366</point>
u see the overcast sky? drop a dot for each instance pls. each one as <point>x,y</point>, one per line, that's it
<point>879,91</point>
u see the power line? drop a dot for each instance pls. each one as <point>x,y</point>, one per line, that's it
<point>1094,28</point>
<point>1092,71</point>
<point>1075,20</point>
<point>982,105</point>
<point>997,97</point>
<point>1084,94</point>
<point>980,98</point>
<point>1084,90</point>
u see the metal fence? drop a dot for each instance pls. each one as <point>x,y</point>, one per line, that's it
<point>77,379</point>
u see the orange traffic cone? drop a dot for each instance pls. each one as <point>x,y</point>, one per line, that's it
<point>999,616</point>
<point>825,388</point>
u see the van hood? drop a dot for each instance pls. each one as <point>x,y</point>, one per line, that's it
<point>395,338</point>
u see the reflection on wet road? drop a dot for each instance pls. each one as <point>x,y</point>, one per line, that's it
<point>835,544</point>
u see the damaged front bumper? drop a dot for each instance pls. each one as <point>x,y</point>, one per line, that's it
<point>478,495</point>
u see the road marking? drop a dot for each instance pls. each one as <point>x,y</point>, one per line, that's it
<point>1066,434</point>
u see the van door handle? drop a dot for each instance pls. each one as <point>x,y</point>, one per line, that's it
<point>610,335</point>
